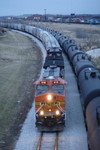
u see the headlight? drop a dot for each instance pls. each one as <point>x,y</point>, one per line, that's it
<point>57,112</point>
<point>49,110</point>
<point>49,97</point>
<point>41,112</point>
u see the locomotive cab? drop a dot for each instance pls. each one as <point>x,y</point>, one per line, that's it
<point>50,102</point>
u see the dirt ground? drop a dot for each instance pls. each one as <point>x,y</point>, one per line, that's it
<point>85,36</point>
<point>20,65</point>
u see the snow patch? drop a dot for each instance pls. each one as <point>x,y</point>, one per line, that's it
<point>95,53</point>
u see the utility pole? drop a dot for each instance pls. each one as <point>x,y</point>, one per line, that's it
<point>45,13</point>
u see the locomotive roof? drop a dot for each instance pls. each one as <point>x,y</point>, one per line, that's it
<point>51,79</point>
<point>54,49</point>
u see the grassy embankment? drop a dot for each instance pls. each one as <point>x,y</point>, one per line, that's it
<point>19,65</point>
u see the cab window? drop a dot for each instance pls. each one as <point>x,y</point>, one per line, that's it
<point>57,87</point>
<point>42,87</point>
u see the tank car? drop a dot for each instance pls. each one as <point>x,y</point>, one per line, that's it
<point>89,82</point>
<point>78,58</point>
<point>93,123</point>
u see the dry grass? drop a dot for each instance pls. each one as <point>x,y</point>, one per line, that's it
<point>19,65</point>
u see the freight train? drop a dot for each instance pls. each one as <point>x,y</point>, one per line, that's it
<point>50,90</point>
<point>88,78</point>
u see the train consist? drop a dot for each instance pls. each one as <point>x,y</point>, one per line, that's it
<point>87,76</point>
<point>50,90</point>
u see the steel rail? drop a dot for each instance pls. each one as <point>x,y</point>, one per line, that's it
<point>56,142</point>
<point>39,143</point>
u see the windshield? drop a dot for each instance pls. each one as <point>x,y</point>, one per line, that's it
<point>57,87</point>
<point>42,87</point>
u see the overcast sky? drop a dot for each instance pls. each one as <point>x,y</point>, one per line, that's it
<point>19,7</point>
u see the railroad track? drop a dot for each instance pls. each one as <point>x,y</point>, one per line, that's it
<point>42,136</point>
<point>40,140</point>
<point>56,142</point>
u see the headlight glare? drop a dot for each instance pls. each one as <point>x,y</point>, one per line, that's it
<point>57,112</point>
<point>41,112</point>
<point>49,97</point>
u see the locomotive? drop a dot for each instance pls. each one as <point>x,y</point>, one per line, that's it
<point>50,93</point>
<point>50,103</point>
